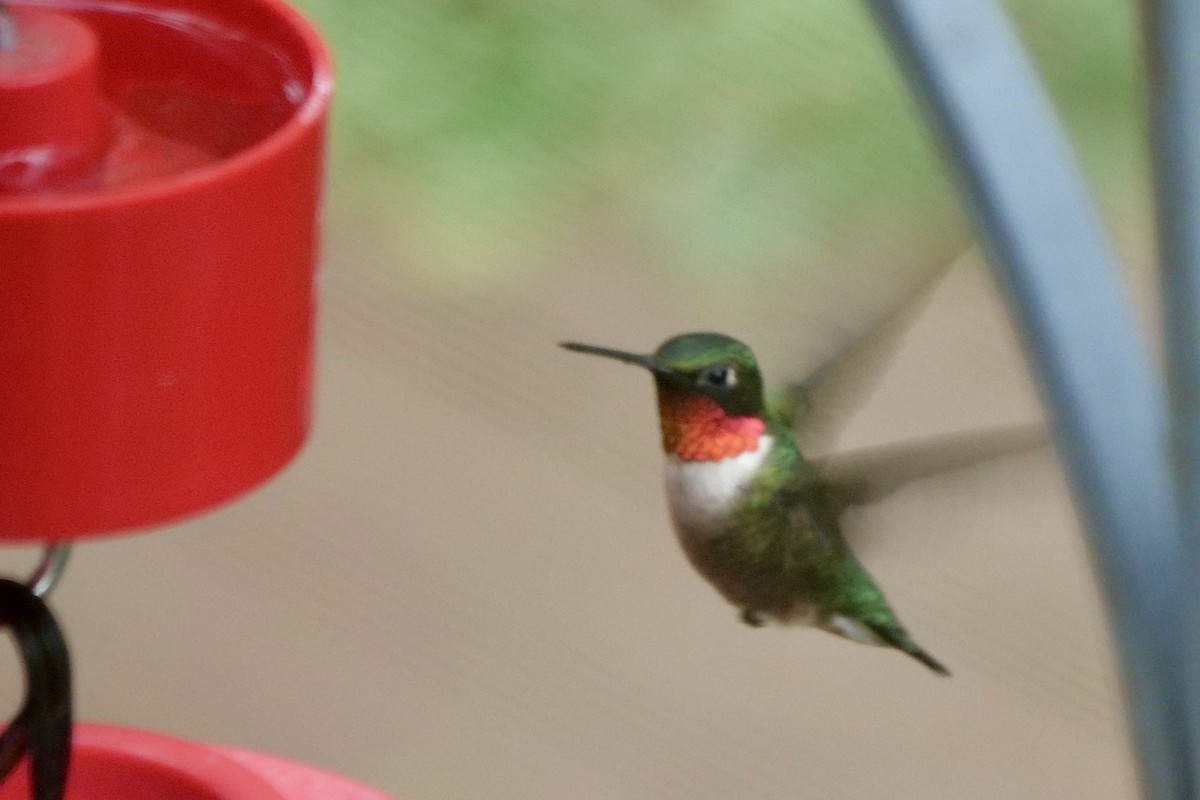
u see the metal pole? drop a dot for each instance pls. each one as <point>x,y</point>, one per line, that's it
<point>1043,237</point>
<point>1172,44</point>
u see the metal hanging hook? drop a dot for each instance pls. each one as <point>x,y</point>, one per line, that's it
<point>49,572</point>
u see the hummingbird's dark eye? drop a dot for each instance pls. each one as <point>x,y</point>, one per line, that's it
<point>720,375</point>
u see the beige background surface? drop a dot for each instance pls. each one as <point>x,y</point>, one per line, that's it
<point>466,587</point>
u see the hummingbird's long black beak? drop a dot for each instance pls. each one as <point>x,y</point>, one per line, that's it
<point>646,361</point>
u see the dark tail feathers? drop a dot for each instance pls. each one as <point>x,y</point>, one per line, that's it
<point>897,638</point>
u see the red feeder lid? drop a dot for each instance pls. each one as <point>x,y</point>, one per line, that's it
<point>160,174</point>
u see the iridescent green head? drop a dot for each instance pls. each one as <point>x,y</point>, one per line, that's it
<point>711,364</point>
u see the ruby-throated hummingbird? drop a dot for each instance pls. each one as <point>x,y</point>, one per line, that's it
<point>755,517</point>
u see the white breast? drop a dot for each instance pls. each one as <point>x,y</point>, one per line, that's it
<point>701,494</point>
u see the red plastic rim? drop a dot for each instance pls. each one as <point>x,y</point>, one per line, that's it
<point>113,763</point>
<point>311,110</point>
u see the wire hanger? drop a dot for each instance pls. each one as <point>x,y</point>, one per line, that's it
<point>41,728</point>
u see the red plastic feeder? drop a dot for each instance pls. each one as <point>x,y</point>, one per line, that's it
<point>160,174</point>
<point>111,763</point>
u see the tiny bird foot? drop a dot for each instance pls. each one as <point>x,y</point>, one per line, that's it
<point>752,618</point>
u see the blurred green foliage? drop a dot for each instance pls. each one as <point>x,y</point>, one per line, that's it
<point>480,137</point>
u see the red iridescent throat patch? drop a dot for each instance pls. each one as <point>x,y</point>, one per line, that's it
<point>696,428</point>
